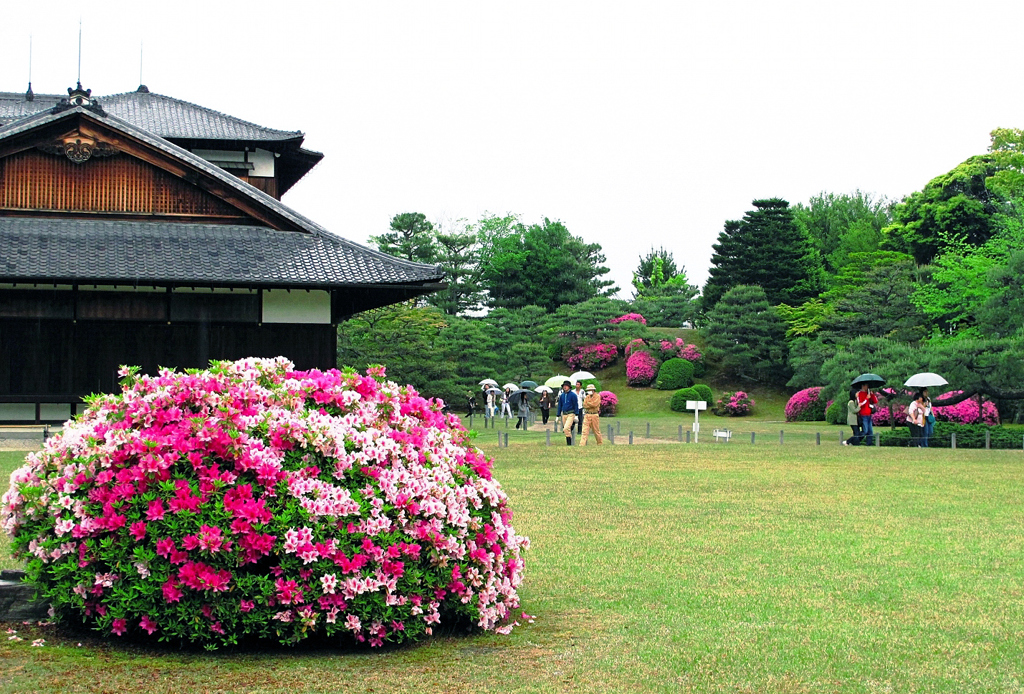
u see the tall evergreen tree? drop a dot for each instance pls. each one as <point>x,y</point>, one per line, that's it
<point>768,249</point>
<point>458,253</point>
<point>411,237</point>
<point>745,337</point>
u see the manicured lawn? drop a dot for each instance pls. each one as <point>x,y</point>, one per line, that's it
<point>684,568</point>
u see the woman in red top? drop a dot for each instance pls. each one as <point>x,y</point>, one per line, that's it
<point>866,401</point>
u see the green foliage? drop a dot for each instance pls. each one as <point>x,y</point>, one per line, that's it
<point>704,392</point>
<point>836,412</point>
<point>744,336</point>
<point>661,291</point>
<point>958,205</point>
<point>768,249</point>
<point>586,323</point>
<point>655,269</point>
<point>411,237</point>
<point>840,224</point>
<point>458,253</point>
<point>679,398</point>
<point>893,361</point>
<point>967,436</point>
<point>1007,152</point>
<point>803,320</point>
<point>543,265</point>
<point>1002,313</point>
<point>673,374</point>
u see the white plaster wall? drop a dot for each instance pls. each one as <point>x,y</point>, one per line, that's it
<point>296,306</point>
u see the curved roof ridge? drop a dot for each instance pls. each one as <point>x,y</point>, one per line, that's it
<point>139,96</point>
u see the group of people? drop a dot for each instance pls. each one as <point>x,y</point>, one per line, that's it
<point>583,411</point>
<point>861,408</point>
<point>495,406</point>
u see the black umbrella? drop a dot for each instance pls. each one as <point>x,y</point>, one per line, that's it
<point>873,380</point>
<point>516,397</point>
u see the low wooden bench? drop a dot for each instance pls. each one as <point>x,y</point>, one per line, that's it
<point>722,434</point>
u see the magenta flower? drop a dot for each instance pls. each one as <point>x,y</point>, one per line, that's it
<point>641,368</point>
<point>147,624</point>
<point>630,316</point>
<point>119,626</point>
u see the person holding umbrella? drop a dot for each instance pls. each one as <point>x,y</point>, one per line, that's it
<point>915,419</point>
<point>866,402</point>
<point>923,381</point>
<point>545,405</point>
<point>579,410</point>
<point>506,409</point>
<point>524,408</point>
<point>568,405</point>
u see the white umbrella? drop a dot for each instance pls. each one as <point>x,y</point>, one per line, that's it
<point>556,381</point>
<point>488,382</point>
<point>513,386</point>
<point>581,376</point>
<point>926,380</point>
<point>543,389</point>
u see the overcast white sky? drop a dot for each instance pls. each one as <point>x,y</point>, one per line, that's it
<point>638,124</point>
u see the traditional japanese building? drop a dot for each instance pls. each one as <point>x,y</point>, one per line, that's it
<point>140,229</point>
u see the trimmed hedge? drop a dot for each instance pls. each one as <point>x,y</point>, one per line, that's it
<point>705,393</point>
<point>674,374</point>
<point>967,436</point>
<point>836,412</point>
<point>679,398</point>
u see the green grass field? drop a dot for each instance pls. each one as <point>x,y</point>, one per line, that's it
<point>657,568</point>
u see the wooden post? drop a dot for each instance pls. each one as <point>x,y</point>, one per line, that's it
<point>988,439</point>
<point>630,437</point>
<point>841,439</point>
<point>506,440</point>
<point>952,440</point>
<point>548,432</point>
<point>752,435</point>
<point>618,427</point>
<point>817,436</point>
<point>648,430</point>
<point>781,435</point>
<point>878,440</point>
<point>499,439</point>
<point>687,436</point>
<point>681,435</point>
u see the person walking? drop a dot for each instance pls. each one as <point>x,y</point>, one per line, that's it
<point>853,419</point>
<point>470,403</point>
<point>524,412</point>
<point>545,406</point>
<point>506,408</point>
<point>915,420</point>
<point>568,405</point>
<point>866,403</point>
<point>591,415</point>
<point>929,418</point>
<point>579,411</point>
<point>491,409</point>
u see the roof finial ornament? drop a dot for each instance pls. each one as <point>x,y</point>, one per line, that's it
<point>143,89</point>
<point>29,96</point>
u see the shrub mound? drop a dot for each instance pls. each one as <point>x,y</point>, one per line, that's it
<point>252,500</point>
<point>673,374</point>
<point>679,398</point>
<point>705,393</point>
<point>609,403</point>
<point>588,357</point>
<point>835,412</point>
<point>641,368</point>
<point>806,405</point>
<point>737,404</point>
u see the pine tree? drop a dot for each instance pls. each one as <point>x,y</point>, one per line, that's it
<point>767,249</point>
<point>745,337</point>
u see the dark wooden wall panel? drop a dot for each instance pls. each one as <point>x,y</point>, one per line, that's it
<point>53,360</point>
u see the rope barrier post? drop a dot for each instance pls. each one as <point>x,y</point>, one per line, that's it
<point>506,440</point>
<point>687,436</point>
<point>878,440</point>
<point>817,436</point>
<point>548,432</point>
<point>952,441</point>
<point>752,435</point>
<point>841,439</point>
<point>681,435</point>
<point>630,437</point>
<point>648,430</point>
<point>499,439</point>
<point>988,439</point>
<point>781,435</point>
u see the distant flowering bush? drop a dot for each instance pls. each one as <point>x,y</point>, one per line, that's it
<point>630,316</point>
<point>966,412</point>
<point>254,500</point>
<point>737,404</point>
<point>587,357</point>
<point>806,405</point>
<point>681,349</point>
<point>641,368</point>
<point>609,403</point>
<point>634,344</point>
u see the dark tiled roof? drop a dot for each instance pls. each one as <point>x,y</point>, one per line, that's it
<point>205,254</point>
<point>159,114</point>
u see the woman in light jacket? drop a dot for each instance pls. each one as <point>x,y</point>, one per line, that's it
<point>853,419</point>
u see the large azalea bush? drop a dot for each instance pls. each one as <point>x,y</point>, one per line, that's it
<point>252,500</point>
<point>806,405</point>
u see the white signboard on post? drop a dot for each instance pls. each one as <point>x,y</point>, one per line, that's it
<point>696,406</point>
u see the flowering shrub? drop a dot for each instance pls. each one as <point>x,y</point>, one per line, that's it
<point>254,500</point>
<point>641,368</point>
<point>737,404</point>
<point>609,403</point>
<point>680,348</point>
<point>630,316</point>
<point>966,412</point>
<point>806,405</point>
<point>587,357</point>
<point>634,344</point>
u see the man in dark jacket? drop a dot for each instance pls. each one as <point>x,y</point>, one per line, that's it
<point>568,405</point>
